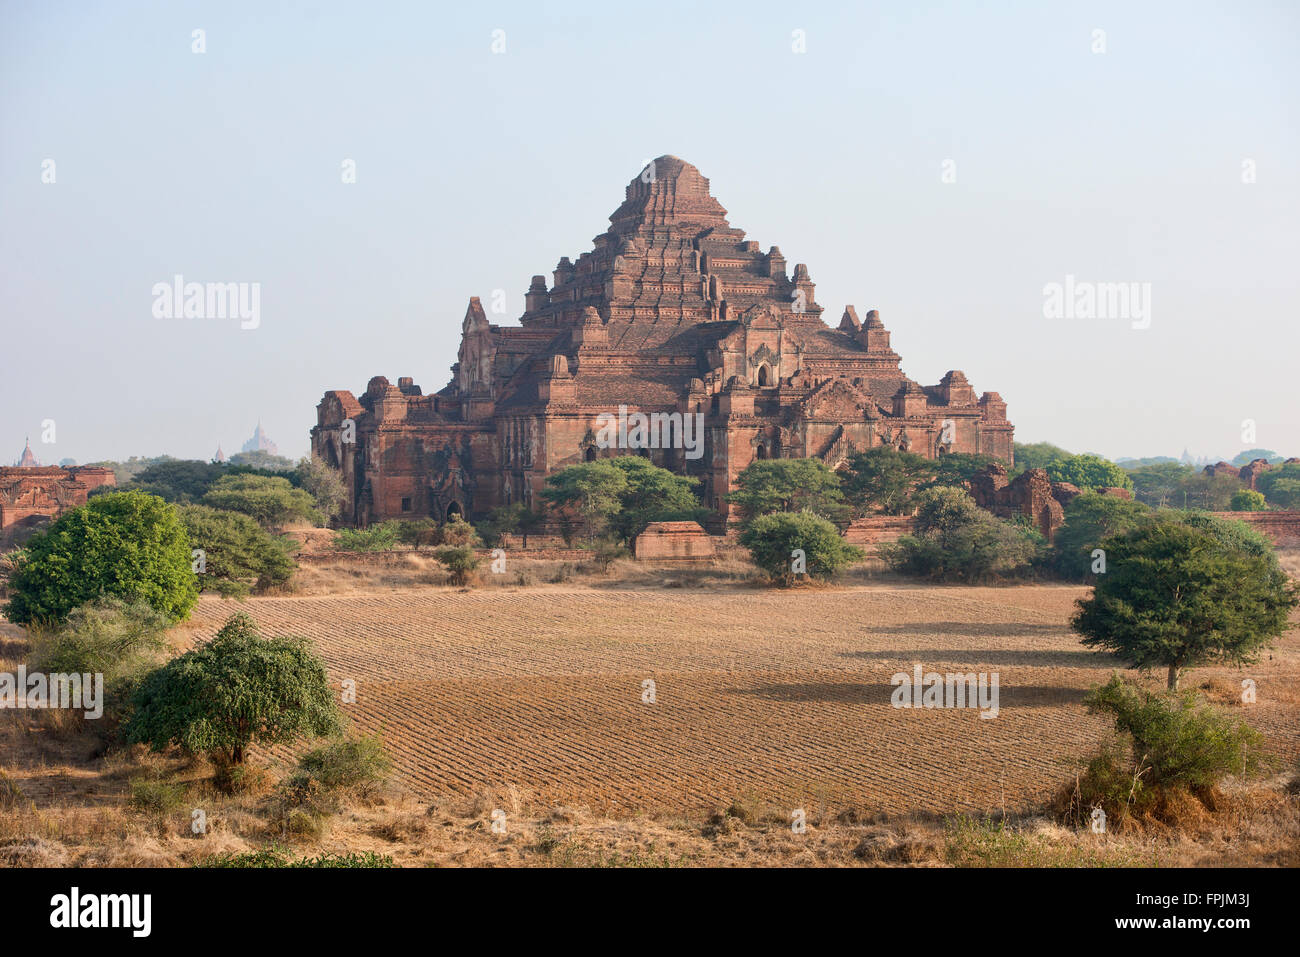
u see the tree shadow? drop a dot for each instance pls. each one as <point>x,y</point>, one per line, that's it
<point>975,629</point>
<point>1081,658</point>
<point>857,692</point>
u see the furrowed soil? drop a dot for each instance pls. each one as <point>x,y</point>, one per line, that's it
<point>779,697</point>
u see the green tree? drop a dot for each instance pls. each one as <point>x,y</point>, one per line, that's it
<point>1281,485</point>
<point>126,545</point>
<point>1247,500</point>
<point>324,484</point>
<point>515,519</point>
<point>956,469</point>
<point>417,532</point>
<point>652,494</point>
<point>1038,455</point>
<point>619,496</point>
<point>1089,472</point>
<point>775,541</point>
<point>593,490</point>
<point>956,540</point>
<point>1160,484</point>
<point>1210,492</point>
<point>264,460</point>
<point>238,554</point>
<point>1089,518</point>
<point>1175,596</point>
<point>178,480</point>
<point>789,485</point>
<point>272,502</point>
<point>235,690</point>
<point>1248,456</point>
<point>886,479</point>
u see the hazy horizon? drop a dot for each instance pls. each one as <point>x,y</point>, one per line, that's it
<point>944,164</point>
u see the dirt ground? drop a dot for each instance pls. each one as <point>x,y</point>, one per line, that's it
<point>532,700</point>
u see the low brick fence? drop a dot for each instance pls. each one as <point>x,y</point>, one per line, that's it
<point>1282,527</point>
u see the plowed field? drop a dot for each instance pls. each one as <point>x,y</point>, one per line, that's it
<point>782,697</point>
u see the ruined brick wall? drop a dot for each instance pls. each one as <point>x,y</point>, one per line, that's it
<point>1282,527</point>
<point>872,530</point>
<point>673,541</point>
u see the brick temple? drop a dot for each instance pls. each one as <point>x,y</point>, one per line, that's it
<point>32,494</point>
<point>673,313</point>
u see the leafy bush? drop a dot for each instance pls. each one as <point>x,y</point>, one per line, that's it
<point>126,545</point>
<point>376,538</point>
<point>1165,743</point>
<point>155,795</point>
<point>347,764</point>
<point>460,562</point>
<point>457,533</point>
<point>1089,518</point>
<point>956,540</point>
<point>271,501</point>
<point>772,540</point>
<point>1247,500</point>
<point>277,857</point>
<point>109,637</point>
<point>238,554</point>
<point>235,690</point>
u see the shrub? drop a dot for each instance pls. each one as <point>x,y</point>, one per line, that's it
<point>235,690</point>
<point>460,562</point>
<point>347,764</point>
<point>109,637</point>
<point>1247,500</point>
<point>1177,596</point>
<point>155,795</point>
<point>458,532</point>
<point>605,553</point>
<point>238,554</point>
<point>278,857</point>
<point>376,538</point>
<point>125,545</point>
<point>1165,743</point>
<point>956,540</point>
<point>773,539</point>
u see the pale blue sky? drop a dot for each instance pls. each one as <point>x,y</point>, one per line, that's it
<point>476,170</point>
